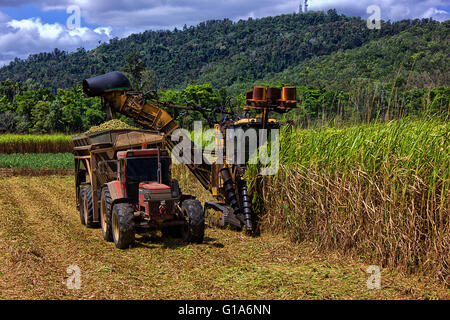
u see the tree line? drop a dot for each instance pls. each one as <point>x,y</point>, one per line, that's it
<point>39,111</point>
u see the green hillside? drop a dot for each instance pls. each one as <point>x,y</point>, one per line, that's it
<point>223,53</point>
<point>418,55</point>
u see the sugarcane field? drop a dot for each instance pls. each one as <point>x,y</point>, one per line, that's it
<point>271,153</point>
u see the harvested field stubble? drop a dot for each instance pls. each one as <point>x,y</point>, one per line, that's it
<point>13,172</point>
<point>41,237</point>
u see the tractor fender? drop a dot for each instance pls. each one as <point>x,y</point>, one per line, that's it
<point>116,191</point>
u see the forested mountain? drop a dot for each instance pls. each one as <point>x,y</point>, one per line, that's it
<point>418,56</point>
<point>224,53</point>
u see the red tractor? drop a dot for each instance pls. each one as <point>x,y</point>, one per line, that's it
<point>132,191</point>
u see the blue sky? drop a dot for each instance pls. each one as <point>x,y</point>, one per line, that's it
<point>32,26</point>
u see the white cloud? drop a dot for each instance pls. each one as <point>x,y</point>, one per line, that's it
<point>168,13</point>
<point>103,30</point>
<point>34,25</point>
<point>19,38</point>
<point>3,17</point>
<point>390,9</point>
<point>436,14</point>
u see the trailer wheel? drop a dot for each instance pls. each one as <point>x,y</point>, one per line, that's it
<point>81,206</point>
<point>122,223</point>
<point>194,230</point>
<point>105,215</point>
<point>88,208</point>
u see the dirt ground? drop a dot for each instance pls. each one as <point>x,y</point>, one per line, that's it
<point>41,236</point>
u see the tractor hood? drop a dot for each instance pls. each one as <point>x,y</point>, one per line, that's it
<point>153,186</point>
<point>154,191</point>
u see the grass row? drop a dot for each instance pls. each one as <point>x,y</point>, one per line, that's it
<point>57,143</point>
<point>41,161</point>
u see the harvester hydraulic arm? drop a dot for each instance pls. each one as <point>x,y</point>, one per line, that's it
<point>153,117</point>
<point>223,183</point>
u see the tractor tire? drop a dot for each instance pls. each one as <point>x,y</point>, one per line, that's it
<point>194,230</point>
<point>122,222</point>
<point>81,206</point>
<point>88,209</point>
<point>105,215</point>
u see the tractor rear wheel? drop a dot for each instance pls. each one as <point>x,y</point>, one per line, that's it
<point>194,230</point>
<point>122,223</point>
<point>81,206</point>
<point>88,208</point>
<point>105,215</point>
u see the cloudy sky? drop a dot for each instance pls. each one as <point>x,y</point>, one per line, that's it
<point>32,26</point>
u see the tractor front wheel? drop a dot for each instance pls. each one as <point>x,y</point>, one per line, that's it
<point>105,215</point>
<point>122,222</point>
<point>194,230</point>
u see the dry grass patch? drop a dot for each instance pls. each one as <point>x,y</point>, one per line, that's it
<point>41,236</point>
